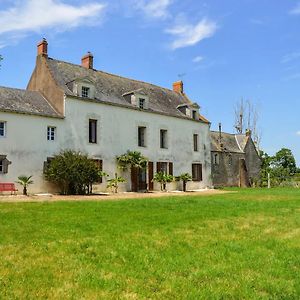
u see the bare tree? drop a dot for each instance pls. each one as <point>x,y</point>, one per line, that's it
<point>247,119</point>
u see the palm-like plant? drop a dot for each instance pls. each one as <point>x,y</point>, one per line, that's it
<point>184,178</point>
<point>25,181</point>
<point>163,179</point>
<point>114,182</point>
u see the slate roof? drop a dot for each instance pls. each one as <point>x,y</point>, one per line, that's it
<point>27,102</point>
<point>231,142</point>
<point>111,88</point>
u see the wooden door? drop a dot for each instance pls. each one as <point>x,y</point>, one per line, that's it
<point>134,179</point>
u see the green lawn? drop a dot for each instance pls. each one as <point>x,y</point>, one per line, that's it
<point>243,245</point>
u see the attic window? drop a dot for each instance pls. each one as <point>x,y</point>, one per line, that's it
<point>142,103</point>
<point>194,114</point>
<point>85,92</point>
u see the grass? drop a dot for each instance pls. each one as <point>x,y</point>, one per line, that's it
<point>243,245</point>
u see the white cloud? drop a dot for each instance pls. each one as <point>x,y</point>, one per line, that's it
<point>154,8</point>
<point>37,15</point>
<point>189,35</point>
<point>298,132</point>
<point>296,10</point>
<point>290,57</point>
<point>198,59</point>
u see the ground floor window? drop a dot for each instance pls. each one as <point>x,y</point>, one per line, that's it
<point>4,163</point>
<point>99,164</point>
<point>165,167</point>
<point>197,172</point>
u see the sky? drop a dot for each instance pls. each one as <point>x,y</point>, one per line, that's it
<point>222,50</point>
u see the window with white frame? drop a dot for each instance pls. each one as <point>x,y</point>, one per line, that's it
<point>142,136</point>
<point>196,142</point>
<point>2,129</point>
<point>92,131</point>
<point>85,92</point>
<point>163,139</point>
<point>1,166</point>
<point>51,133</point>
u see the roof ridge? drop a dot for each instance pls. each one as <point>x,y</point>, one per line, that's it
<point>115,75</point>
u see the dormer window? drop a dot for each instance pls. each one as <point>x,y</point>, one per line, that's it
<point>142,103</point>
<point>85,92</point>
<point>194,114</point>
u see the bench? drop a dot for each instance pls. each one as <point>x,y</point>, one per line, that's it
<point>8,187</point>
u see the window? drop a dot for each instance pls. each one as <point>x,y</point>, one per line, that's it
<point>2,129</point>
<point>216,159</point>
<point>197,172</point>
<point>85,92</point>
<point>163,138</point>
<point>194,114</point>
<point>195,142</point>
<point>165,167</point>
<point>141,136</point>
<point>51,133</point>
<point>230,160</point>
<point>93,131</point>
<point>4,163</point>
<point>142,103</point>
<point>99,164</point>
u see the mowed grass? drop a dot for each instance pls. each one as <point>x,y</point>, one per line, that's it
<point>242,245</point>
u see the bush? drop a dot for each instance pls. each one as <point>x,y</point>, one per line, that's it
<point>73,172</point>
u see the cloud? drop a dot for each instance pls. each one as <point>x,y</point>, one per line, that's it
<point>298,132</point>
<point>36,15</point>
<point>296,10</point>
<point>154,8</point>
<point>198,59</point>
<point>290,57</point>
<point>189,35</point>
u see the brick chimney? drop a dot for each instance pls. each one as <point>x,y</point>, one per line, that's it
<point>42,48</point>
<point>178,87</point>
<point>87,61</point>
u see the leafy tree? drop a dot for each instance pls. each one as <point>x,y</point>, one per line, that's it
<point>163,179</point>
<point>114,182</point>
<point>73,172</point>
<point>284,159</point>
<point>184,178</point>
<point>133,159</point>
<point>25,181</point>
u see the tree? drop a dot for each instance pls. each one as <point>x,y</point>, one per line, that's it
<point>73,172</point>
<point>184,178</point>
<point>25,181</point>
<point>246,119</point>
<point>284,159</point>
<point>1,58</point>
<point>163,179</point>
<point>133,159</point>
<point>114,182</point>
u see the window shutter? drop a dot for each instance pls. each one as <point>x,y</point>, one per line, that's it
<point>200,172</point>
<point>101,169</point>
<point>158,167</point>
<point>193,172</point>
<point>171,168</point>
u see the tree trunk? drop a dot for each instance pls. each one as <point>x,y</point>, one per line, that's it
<point>24,191</point>
<point>184,186</point>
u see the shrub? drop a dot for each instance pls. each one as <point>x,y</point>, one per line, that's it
<point>163,179</point>
<point>184,178</point>
<point>73,172</point>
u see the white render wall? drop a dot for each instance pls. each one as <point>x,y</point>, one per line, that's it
<point>26,144</point>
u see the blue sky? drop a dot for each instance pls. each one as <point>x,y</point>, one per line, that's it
<point>223,50</point>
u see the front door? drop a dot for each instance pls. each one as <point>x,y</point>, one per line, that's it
<point>142,180</point>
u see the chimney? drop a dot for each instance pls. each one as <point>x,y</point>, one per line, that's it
<point>87,61</point>
<point>178,87</point>
<point>42,48</point>
<point>248,132</point>
<point>220,136</point>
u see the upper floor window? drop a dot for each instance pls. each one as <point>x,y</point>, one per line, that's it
<point>194,114</point>
<point>142,136</point>
<point>163,139</point>
<point>85,92</point>
<point>92,131</point>
<point>216,159</point>
<point>196,142</point>
<point>2,129</point>
<point>1,166</point>
<point>142,103</point>
<point>197,172</point>
<point>230,160</point>
<point>51,133</point>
